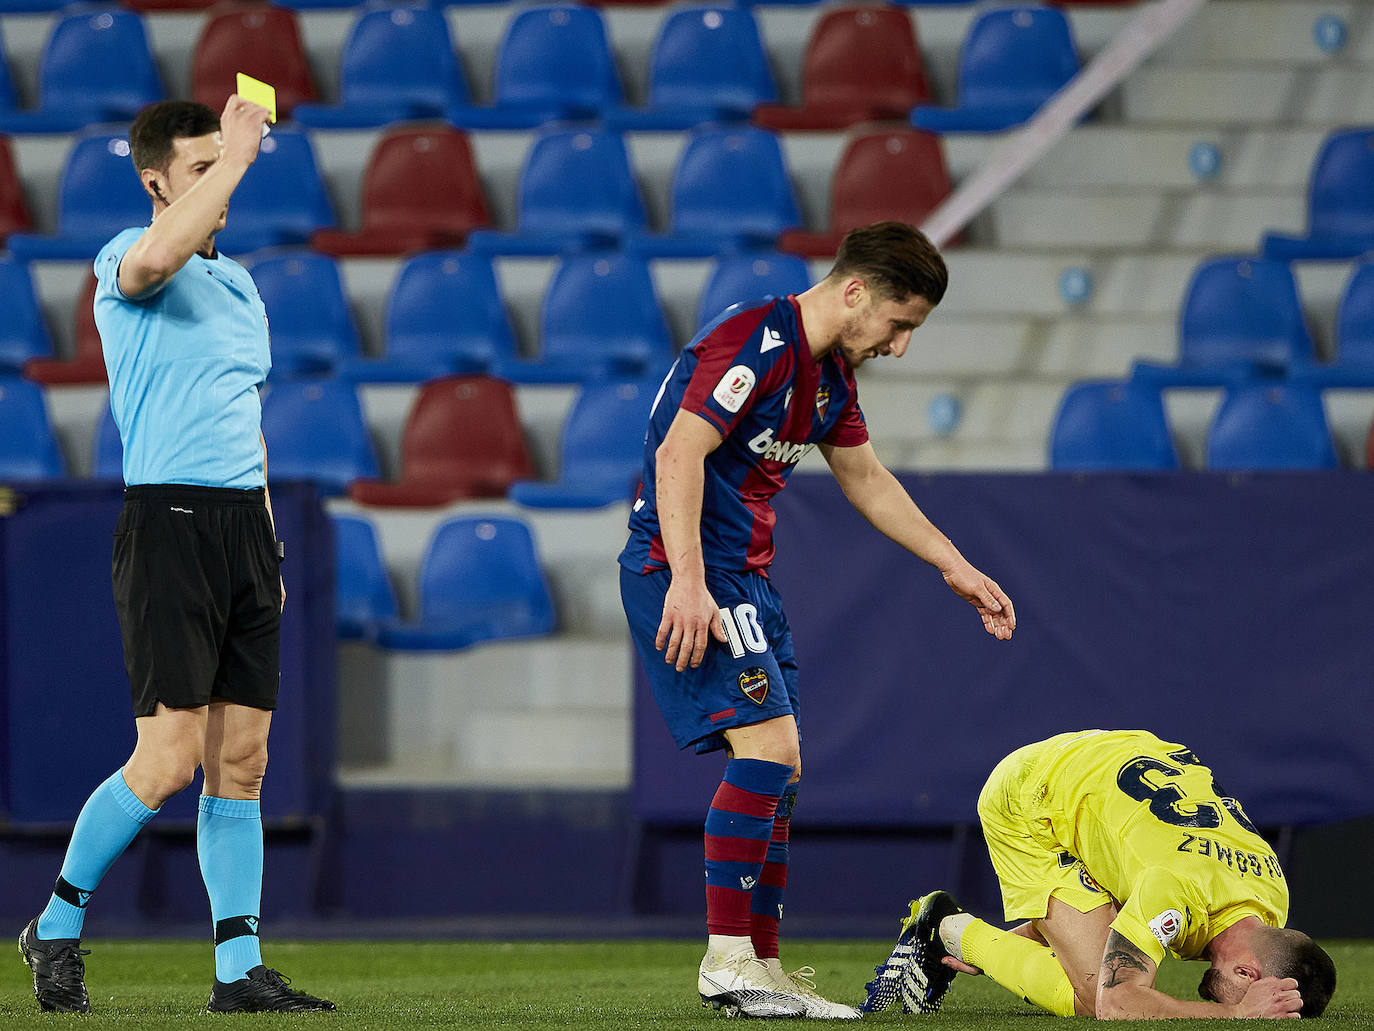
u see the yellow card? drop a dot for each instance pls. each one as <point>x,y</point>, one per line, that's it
<point>255,92</point>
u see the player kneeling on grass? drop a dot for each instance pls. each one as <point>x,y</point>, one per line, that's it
<point>1116,848</point>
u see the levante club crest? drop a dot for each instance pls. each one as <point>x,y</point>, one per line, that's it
<point>754,683</point>
<point>822,401</point>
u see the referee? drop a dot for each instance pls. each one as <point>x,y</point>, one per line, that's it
<point>196,579</point>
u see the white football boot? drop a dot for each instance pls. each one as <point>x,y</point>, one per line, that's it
<point>741,985</point>
<point>801,983</point>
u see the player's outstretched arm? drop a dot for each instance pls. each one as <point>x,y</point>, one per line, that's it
<point>690,614</point>
<point>884,502</point>
<point>1126,991</point>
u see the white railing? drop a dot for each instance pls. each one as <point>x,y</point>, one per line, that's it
<point>1141,36</point>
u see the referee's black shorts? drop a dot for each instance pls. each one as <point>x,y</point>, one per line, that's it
<point>197,589</point>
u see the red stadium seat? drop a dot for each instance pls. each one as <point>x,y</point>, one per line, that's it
<point>14,212</point>
<point>899,174</point>
<point>462,440</point>
<point>862,64</point>
<point>264,42</point>
<point>88,363</point>
<point>420,192</point>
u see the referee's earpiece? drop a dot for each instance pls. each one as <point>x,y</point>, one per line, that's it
<point>157,192</point>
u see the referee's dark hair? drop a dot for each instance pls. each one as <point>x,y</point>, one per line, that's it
<point>157,125</point>
<point>895,259</point>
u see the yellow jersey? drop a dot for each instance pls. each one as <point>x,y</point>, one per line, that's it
<point>1152,827</point>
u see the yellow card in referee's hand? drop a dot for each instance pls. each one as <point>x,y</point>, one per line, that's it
<point>256,92</point>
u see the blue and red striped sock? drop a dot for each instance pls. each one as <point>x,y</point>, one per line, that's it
<point>739,827</point>
<point>766,908</point>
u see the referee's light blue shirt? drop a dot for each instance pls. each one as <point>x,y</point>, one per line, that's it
<point>185,364</point>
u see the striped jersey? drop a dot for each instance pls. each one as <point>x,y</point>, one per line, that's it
<point>749,374</point>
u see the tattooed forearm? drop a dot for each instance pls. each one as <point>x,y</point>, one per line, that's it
<point>1115,962</point>
<point>1121,961</point>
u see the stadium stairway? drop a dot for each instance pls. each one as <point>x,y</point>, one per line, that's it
<point>1116,198</point>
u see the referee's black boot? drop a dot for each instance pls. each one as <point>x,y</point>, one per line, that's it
<point>59,972</point>
<point>263,991</point>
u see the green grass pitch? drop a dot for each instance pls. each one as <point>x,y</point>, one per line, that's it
<point>476,985</point>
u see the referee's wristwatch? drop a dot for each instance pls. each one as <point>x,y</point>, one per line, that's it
<point>280,547</point>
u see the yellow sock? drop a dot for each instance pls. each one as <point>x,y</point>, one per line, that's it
<point>1019,965</point>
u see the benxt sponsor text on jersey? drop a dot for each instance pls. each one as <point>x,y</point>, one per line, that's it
<point>782,451</point>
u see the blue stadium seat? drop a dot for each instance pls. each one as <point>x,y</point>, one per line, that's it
<point>731,191</point>
<point>1271,426</point>
<point>602,450</point>
<point>281,199</point>
<point>398,63</point>
<point>108,454</point>
<point>308,315</point>
<point>23,333</point>
<point>601,319</point>
<point>1241,318</point>
<point>1108,425</point>
<point>364,599</point>
<point>31,6</point>
<point>444,316</point>
<point>749,277</point>
<point>1354,362</point>
<point>480,580</point>
<point>708,65</point>
<point>576,192</point>
<point>1340,202</point>
<point>98,195</point>
<point>9,100</point>
<point>315,431</point>
<point>28,446</point>
<point>555,64</point>
<point>96,67</point>
<point>1012,60</point>
<point>1355,320</point>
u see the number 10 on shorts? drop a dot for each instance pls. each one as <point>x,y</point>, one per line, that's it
<point>742,630</point>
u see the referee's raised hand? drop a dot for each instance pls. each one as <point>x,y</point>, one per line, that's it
<point>241,128</point>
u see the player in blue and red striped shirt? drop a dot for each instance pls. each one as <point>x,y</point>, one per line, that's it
<point>749,397</point>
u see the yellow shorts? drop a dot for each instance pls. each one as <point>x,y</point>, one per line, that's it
<point>1031,866</point>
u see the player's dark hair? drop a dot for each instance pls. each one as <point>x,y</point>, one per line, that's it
<point>157,125</point>
<point>1293,954</point>
<point>898,261</point>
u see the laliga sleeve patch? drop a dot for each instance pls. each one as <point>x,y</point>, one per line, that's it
<point>734,387</point>
<point>1166,926</point>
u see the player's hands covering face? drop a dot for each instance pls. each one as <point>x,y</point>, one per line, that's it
<point>1271,997</point>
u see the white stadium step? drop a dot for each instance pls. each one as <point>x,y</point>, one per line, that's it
<point>492,711</point>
